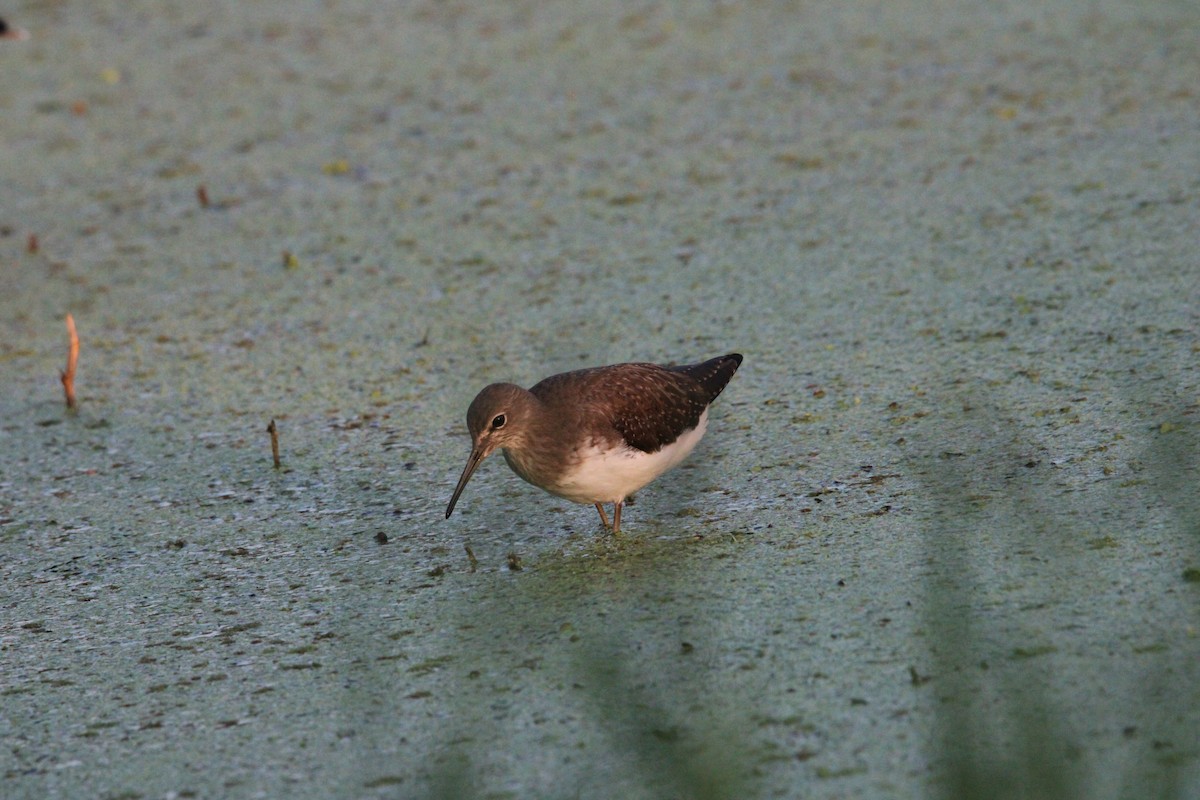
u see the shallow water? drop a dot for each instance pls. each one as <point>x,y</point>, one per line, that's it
<point>938,539</point>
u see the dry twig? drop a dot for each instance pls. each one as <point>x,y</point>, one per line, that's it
<point>68,375</point>
<point>274,431</point>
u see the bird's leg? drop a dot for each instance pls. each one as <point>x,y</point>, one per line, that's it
<point>617,516</point>
<point>603,516</point>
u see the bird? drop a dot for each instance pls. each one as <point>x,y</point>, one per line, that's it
<point>596,435</point>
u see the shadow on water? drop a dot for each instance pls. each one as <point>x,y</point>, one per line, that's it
<point>999,730</point>
<point>642,699</point>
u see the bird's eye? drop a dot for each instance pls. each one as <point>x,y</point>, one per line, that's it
<point>498,421</point>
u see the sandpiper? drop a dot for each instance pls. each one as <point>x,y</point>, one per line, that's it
<point>596,435</point>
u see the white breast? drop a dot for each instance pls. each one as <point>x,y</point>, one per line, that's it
<point>609,476</point>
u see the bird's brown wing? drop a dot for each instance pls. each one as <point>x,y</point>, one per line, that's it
<point>646,405</point>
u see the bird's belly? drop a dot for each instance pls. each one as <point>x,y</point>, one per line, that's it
<point>610,475</point>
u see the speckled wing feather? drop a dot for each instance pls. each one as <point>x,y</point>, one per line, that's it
<point>713,374</point>
<point>647,405</point>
